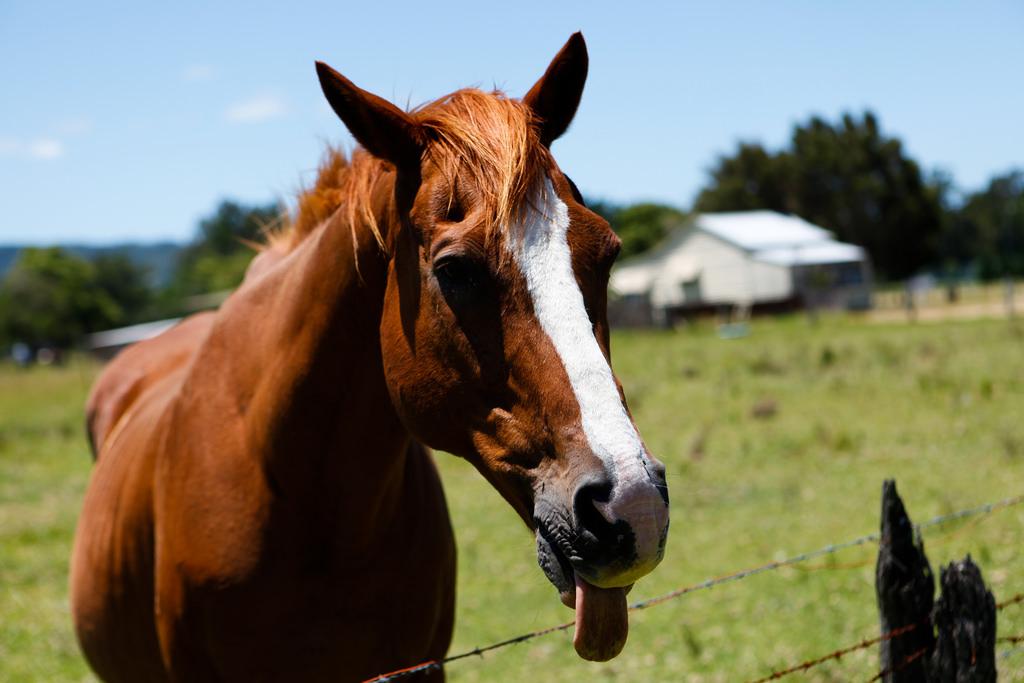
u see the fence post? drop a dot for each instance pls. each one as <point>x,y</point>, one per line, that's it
<point>905,588</point>
<point>965,616</point>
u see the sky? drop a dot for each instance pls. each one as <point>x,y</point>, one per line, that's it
<point>130,121</point>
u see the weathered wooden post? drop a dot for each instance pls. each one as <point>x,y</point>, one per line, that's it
<point>952,640</point>
<point>965,618</point>
<point>905,589</point>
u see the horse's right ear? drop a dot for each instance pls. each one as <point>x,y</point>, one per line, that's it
<point>382,128</point>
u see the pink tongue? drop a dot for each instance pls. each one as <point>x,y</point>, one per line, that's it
<point>602,622</point>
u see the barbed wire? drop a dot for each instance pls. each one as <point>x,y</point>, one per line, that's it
<point>836,654</point>
<point>868,642</point>
<point>1018,598</point>
<point>933,541</point>
<point>707,584</point>
<point>907,661</point>
<point>988,508</point>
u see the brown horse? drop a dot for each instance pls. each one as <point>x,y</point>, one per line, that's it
<point>262,507</point>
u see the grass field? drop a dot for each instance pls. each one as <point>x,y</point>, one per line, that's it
<point>775,444</point>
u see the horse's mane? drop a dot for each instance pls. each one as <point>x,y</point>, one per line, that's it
<point>487,137</point>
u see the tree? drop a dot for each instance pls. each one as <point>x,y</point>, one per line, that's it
<point>847,177</point>
<point>993,219</point>
<point>753,178</point>
<point>639,226</point>
<point>957,243</point>
<point>51,298</point>
<point>127,284</point>
<point>218,257</point>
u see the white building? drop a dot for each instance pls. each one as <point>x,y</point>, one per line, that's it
<point>743,259</point>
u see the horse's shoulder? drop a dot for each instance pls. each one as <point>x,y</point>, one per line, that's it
<point>136,371</point>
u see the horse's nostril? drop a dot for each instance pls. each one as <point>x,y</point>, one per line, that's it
<point>597,489</point>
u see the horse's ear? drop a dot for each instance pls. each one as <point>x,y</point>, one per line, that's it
<point>555,97</point>
<point>382,128</point>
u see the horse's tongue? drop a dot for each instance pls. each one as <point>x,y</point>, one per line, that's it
<point>602,623</point>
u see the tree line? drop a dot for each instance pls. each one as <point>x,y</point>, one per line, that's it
<point>849,177</point>
<point>846,175</point>
<point>52,298</point>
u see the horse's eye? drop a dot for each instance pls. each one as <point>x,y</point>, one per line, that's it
<point>460,274</point>
<point>454,213</point>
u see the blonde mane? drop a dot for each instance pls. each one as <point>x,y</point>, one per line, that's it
<point>487,139</point>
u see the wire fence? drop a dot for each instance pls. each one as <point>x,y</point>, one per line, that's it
<point>986,509</point>
<point>837,654</point>
<point>868,642</point>
<point>907,661</point>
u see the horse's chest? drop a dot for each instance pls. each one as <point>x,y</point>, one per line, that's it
<point>320,604</point>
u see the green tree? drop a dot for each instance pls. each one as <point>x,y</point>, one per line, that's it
<point>639,226</point>
<point>127,284</point>
<point>848,177</point>
<point>221,252</point>
<point>993,219</point>
<point>752,178</point>
<point>52,298</point>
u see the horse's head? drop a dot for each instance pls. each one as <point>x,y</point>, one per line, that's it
<point>494,332</point>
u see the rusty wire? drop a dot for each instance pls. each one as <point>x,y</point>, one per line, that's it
<point>985,509</point>
<point>1019,597</point>
<point>907,661</point>
<point>837,654</point>
<point>868,642</point>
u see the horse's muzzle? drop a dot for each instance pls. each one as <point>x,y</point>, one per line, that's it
<point>595,546</point>
<point>610,534</point>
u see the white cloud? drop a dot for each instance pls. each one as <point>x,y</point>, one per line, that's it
<point>257,109</point>
<point>45,149</point>
<point>195,73</point>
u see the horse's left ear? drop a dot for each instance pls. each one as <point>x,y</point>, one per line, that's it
<point>555,97</point>
<point>382,128</point>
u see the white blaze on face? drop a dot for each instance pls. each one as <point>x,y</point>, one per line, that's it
<point>543,256</point>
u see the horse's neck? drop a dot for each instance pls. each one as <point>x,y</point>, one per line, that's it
<point>298,353</point>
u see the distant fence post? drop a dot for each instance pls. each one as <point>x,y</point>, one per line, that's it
<point>1008,287</point>
<point>951,640</point>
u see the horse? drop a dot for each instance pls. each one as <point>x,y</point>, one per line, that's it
<point>264,504</point>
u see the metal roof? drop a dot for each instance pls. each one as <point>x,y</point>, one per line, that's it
<point>821,253</point>
<point>761,230</point>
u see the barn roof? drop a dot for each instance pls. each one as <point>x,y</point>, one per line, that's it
<point>778,238</point>
<point>760,230</point>
<point>812,254</point>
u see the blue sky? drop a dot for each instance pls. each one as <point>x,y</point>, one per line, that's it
<point>129,121</point>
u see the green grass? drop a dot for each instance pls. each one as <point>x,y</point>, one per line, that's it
<point>775,444</point>
<point>44,466</point>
